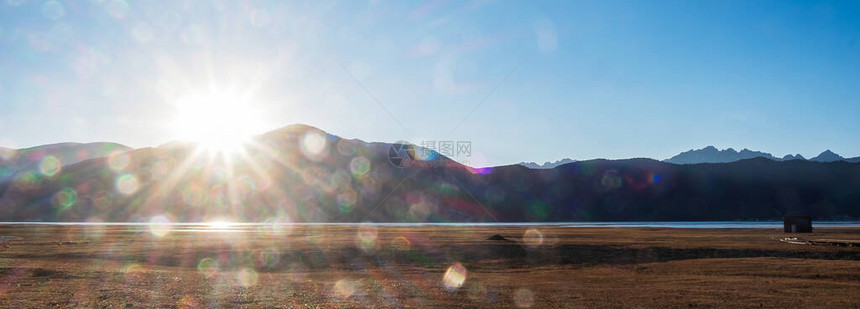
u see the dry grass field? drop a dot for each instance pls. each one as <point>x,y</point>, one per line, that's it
<point>335,266</point>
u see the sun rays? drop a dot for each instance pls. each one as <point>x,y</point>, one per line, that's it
<point>234,176</point>
<point>219,122</point>
<point>220,125</point>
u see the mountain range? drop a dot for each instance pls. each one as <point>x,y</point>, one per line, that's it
<point>303,174</point>
<point>547,164</point>
<point>711,154</point>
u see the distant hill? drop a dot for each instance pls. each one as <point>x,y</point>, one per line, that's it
<point>789,157</point>
<point>827,156</point>
<point>303,174</point>
<point>66,153</point>
<point>547,165</point>
<point>21,166</point>
<point>30,159</point>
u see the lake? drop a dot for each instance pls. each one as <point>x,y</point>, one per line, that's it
<point>656,224</point>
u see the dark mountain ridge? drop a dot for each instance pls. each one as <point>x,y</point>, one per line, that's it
<point>280,179</point>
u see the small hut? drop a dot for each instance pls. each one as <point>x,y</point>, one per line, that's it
<point>797,224</point>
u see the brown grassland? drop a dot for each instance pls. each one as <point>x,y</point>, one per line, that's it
<point>343,266</point>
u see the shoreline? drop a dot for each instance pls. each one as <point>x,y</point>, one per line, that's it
<point>705,224</point>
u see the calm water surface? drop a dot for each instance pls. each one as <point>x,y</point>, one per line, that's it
<point>672,224</point>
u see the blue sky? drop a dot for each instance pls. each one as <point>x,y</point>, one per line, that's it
<point>521,80</point>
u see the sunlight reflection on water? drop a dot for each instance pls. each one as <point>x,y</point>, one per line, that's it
<point>236,226</point>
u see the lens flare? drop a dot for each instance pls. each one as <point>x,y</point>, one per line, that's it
<point>346,200</point>
<point>401,243</point>
<point>654,179</point>
<point>268,258</point>
<point>161,168</point>
<point>134,273</point>
<point>533,238</point>
<point>50,166</point>
<point>365,238</point>
<point>247,277</point>
<point>313,145</point>
<point>454,277</point>
<point>207,267</point>
<point>346,147</point>
<point>118,161</point>
<point>28,181</point>
<point>359,166</point>
<point>126,184</point>
<point>344,288</point>
<point>279,226</point>
<point>65,198</point>
<point>524,298</point>
<point>159,226</point>
<point>481,170</point>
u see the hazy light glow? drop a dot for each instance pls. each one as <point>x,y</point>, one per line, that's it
<point>126,183</point>
<point>65,198</point>
<point>159,226</point>
<point>50,166</point>
<point>524,298</point>
<point>454,277</point>
<point>313,145</point>
<point>218,122</point>
<point>533,238</point>
<point>208,267</point>
<point>344,288</point>
<point>247,277</point>
<point>220,224</point>
<point>118,161</point>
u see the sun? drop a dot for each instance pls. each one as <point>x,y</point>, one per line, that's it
<point>217,122</point>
